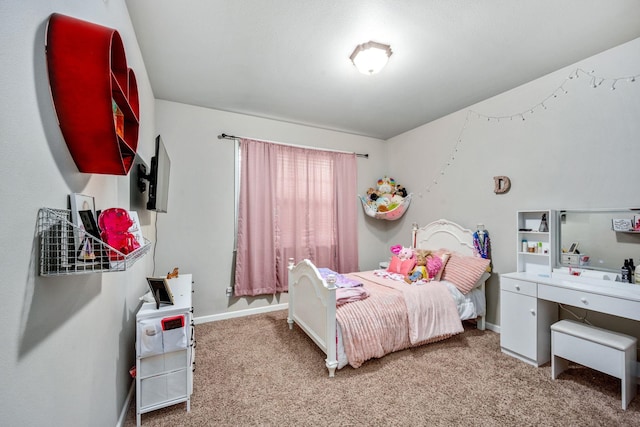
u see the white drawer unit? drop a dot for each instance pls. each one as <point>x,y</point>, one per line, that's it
<point>165,351</point>
<point>519,287</point>
<point>571,259</point>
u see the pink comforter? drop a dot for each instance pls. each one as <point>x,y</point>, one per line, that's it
<point>394,317</point>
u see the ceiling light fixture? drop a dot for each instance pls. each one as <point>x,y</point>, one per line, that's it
<point>370,57</point>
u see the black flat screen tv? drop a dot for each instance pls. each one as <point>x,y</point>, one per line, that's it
<point>159,179</point>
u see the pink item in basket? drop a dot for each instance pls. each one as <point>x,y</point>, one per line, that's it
<point>114,224</point>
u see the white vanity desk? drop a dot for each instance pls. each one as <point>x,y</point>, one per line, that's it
<point>529,307</point>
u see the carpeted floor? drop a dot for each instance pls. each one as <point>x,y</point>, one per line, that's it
<point>255,371</point>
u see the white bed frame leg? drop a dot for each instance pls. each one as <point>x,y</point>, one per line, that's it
<point>481,320</point>
<point>332,332</point>
<point>331,366</point>
<point>291,296</point>
<point>481,323</point>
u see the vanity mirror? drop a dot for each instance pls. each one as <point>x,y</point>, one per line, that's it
<point>598,246</point>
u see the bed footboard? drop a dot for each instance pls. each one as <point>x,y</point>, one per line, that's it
<point>312,305</point>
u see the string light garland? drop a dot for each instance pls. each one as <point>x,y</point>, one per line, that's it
<point>595,81</point>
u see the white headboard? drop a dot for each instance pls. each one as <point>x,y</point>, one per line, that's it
<point>443,234</point>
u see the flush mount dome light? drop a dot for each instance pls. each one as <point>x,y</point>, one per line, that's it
<point>370,57</point>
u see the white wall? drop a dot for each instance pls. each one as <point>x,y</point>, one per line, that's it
<point>582,151</point>
<point>67,343</point>
<point>197,233</point>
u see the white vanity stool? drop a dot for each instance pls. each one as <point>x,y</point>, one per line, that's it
<point>606,351</point>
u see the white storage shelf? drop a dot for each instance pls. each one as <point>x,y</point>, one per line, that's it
<point>528,223</point>
<point>58,254</point>
<point>165,357</point>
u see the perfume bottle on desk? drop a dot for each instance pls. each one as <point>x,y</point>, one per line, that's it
<point>625,272</point>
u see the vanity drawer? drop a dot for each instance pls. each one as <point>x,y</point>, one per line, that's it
<point>571,259</point>
<point>518,286</point>
<point>591,301</point>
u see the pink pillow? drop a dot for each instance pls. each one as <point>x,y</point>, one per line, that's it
<point>401,267</point>
<point>464,271</point>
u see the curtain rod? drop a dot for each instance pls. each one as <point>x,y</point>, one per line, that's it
<point>231,137</point>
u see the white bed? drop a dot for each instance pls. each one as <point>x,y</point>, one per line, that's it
<point>312,301</point>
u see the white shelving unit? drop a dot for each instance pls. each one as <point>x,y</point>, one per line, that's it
<point>542,242</point>
<point>165,344</point>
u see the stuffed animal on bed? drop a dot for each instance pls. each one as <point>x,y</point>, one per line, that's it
<point>405,253</point>
<point>427,266</point>
<point>420,270</point>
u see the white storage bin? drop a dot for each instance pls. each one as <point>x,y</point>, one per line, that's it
<point>163,388</point>
<point>162,363</point>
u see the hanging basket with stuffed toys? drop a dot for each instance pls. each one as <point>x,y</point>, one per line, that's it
<point>388,201</point>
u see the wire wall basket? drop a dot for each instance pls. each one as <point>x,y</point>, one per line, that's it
<point>67,249</point>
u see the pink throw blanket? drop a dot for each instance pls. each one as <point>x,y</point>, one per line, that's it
<point>345,295</point>
<point>394,317</point>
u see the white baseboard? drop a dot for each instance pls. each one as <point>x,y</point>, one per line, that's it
<point>127,403</point>
<point>492,327</point>
<point>240,313</point>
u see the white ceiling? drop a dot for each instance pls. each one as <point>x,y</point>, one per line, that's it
<point>289,59</point>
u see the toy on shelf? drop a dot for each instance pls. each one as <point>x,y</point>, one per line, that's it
<point>173,274</point>
<point>388,200</point>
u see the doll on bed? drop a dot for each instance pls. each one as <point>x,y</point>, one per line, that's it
<point>427,266</point>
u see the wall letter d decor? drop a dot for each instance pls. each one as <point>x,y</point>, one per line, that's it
<point>502,184</point>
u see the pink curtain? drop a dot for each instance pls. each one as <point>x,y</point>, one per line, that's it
<point>294,203</point>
